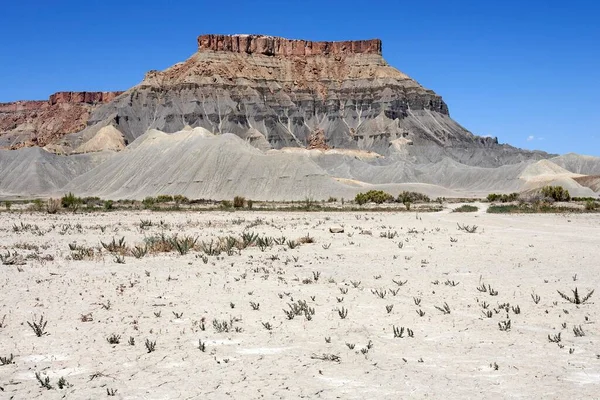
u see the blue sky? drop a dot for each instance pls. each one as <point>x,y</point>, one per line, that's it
<point>527,72</point>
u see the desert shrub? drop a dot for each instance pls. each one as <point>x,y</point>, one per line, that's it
<point>556,193</point>
<point>108,205</point>
<point>375,196</point>
<point>71,201</point>
<point>164,198</point>
<point>239,201</point>
<point>412,197</point>
<point>466,208</point>
<point>148,202</point>
<point>92,201</point>
<point>225,204</point>
<point>249,204</point>
<point>591,205</point>
<point>502,198</point>
<point>52,206</point>
<point>7,204</point>
<point>332,200</point>
<point>584,198</point>
<point>179,199</point>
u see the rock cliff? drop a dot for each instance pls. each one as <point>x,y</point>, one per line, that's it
<point>37,123</point>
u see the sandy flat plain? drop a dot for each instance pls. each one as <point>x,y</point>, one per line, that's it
<point>461,354</point>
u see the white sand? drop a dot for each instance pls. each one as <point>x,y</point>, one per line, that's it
<point>515,254</point>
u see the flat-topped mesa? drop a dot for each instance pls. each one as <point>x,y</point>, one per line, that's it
<point>82,97</point>
<point>277,46</point>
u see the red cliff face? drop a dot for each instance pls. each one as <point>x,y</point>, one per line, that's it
<point>276,46</point>
<point>82,97</point>
<point>37,123</point>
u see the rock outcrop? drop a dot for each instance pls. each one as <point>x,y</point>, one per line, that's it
<point>37,123</point>
<point>276,46</point>
<point>82,97</point>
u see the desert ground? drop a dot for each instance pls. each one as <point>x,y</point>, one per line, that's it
<point>399,305</point>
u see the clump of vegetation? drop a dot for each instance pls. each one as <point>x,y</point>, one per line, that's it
<point>466,208</point>
<point>52,206</point>
<point>591,205</point>
<point>148,202</point>
<point>556,193</point>
<point>71,201</point>
<point>373,196</point>
<point>412,197</point>
<point>502,198</point>
<point>179,199</point>
<point>164,198</point>
<point>239,202</point>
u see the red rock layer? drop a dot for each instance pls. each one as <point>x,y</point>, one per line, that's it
<point>276,46</point>
<point>82,97</point>
<point>38,123</point>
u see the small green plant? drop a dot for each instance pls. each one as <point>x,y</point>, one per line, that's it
<point>114,339</point>
<point>576,299</point>
<point>7,360</point>
<point>267,325</point>
<point>183,245</point>
<point>554,338</point>
<point>578,331</point>
<point>108,205</point>
<point>115,246</point>
<point>62,383</point>
<point>504,325</point>
<point>39,328</point>
<point>399,332</point>
<point>139,251</point>
<point>150,346</point>
<point>467,228</point>
<point>44,382</point>
<point>445,308</point>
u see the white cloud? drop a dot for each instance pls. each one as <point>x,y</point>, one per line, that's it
<point>530,138</point>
